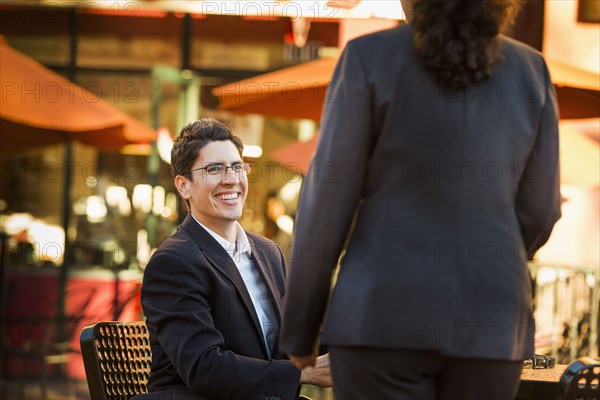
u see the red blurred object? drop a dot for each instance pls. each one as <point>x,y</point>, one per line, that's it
<point>297,155</point>
<point>90,297</point>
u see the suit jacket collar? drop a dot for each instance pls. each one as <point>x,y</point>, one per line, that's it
<point>241,240</point>
<point>220,259</point>
<point>259,259</point>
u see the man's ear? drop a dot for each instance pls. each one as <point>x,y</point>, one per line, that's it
<point>183,185</point>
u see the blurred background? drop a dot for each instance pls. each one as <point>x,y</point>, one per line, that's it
<point>94,92</point>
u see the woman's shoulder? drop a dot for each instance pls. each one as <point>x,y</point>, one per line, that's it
<point>522,61</point>
<point>512,46</point>
<point>393,36</point>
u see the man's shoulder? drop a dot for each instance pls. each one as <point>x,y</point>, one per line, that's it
<point>178,240</point>
<point>175,249</point>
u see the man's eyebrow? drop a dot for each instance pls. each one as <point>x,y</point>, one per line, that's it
<point>221,162</point>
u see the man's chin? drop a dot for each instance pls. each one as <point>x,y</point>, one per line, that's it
<point>234,217</point>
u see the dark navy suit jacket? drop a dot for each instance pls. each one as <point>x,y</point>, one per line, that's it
<point>204,332</point>
<point>441,196</point>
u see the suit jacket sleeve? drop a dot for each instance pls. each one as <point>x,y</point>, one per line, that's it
<point>538,198</point>
<point>330,195</point>
<point>176,303</point>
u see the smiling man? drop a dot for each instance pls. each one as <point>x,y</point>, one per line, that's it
<point>212,293</point>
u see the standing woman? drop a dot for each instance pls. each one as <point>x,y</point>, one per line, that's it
<point>435,180</point>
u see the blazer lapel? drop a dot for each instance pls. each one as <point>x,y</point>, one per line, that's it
<point>220,259</point>
<point>258,258</point>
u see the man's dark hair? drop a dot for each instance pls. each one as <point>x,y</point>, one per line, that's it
<point>194,137</point>
<point>457,39</point>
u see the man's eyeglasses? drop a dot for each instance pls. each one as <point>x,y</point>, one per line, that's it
<point>221,169</point>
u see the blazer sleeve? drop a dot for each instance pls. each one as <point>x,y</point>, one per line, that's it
<point>538,198</point>
<point>175,302</point>
<point>330,195</point>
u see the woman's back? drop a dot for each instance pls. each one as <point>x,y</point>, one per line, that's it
<point>452,202</point>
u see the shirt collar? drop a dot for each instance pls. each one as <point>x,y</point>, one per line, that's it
<point>241,239</point>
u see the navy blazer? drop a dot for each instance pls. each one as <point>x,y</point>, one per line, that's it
<point>204,332</point>
<point>442,196</point>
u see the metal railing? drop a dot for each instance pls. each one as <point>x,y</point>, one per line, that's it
<point>566,308</point>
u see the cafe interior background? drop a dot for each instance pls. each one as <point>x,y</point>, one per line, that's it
<point>89,165</point>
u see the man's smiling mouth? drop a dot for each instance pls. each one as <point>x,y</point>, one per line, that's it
<point>229,196</point>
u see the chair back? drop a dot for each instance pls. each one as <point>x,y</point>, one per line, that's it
<point>581,380</point>
<point>117,358</point>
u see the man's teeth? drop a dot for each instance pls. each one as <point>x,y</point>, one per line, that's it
<point>232,196</point>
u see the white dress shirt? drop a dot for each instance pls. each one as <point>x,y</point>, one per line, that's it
<point>240,252</point>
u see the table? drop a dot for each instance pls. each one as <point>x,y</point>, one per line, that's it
<point>540,383</point>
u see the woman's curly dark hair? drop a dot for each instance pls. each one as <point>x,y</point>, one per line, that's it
<point>457,39</point>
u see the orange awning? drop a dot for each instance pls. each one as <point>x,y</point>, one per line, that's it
<point>299,91</point>
<point>293,92</point>
<point>297,155</point>
<point>40,107</point>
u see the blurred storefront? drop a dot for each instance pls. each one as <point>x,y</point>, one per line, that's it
<point>90,215</point>
<point>121,203</point>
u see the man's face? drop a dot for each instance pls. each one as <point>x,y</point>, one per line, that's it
<point>216,200</point>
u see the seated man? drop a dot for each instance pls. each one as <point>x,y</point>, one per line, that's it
<point>212,293</point>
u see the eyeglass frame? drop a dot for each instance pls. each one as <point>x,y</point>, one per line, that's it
<point>246,168</point>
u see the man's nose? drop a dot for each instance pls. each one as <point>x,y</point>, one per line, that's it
<point>230,176</point>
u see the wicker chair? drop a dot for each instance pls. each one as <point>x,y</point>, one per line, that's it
<point>117,358</point>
